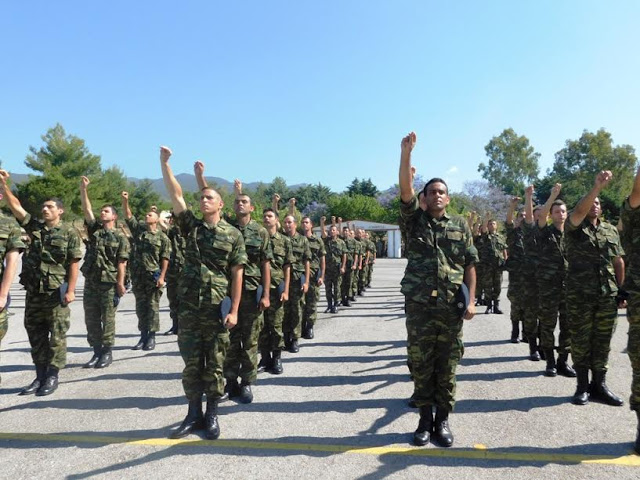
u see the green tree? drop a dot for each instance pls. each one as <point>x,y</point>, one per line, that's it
<point>356,207</point>
<point>362,187</point>
<point>513,162</point>
<point>142,196</point>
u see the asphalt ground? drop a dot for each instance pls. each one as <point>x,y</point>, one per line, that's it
<point>339,411</point>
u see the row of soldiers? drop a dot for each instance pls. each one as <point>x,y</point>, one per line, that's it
<point>270,292</point>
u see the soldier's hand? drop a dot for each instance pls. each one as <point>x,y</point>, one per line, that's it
<point>4,176</point>
<point>413,172</point>
<point>292,202</point>
<point>323,219</point>
<point>342,270</point>
<point>339,219</point>
<point>153,208</point>
<point>125,196</point>
<point>284,296</point>
<point>160,282</point>
<point>471,310</point>
<point>276,197</point>
<point>121,289</point>
<point>265,303</point>
<point>84,182</point>
<point>409,142</point>
<point>165,154</point>
<point>198,168</point>
<point>333,219</point>
<point>555,190</point>
<point>305,287</point>
<point>230,321</point>
<point>237,186</point>
<point>3,302</point>
<point>529,191</point>
<point>515,201</point>
<point>603,178</point>
<point>321,281</point>
<point>69,297</point>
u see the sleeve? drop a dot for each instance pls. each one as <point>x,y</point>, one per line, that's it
<point>185,221</point>
<point>92,226</point>
<point>617,251</point>
<point>288,258</point>
<point>124,249</point>
<point>306,256</point>
<point>266,250</point>
<point>322,252</point>
<point>14,241</point>
<point>73,246</point>
<point>165,247</point>
<point>133,225</point>
<point>238,252</point>
<point>30,224</point>
<point>471,253</point>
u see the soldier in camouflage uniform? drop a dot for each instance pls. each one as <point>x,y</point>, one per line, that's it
<point>271,341</point>
<point>531,269</point>
<point>148,271</point>
<point>595,271</point>
<point>364,261</point>
<point>351,264</point>
<point>441,257</point>
<point>104,270</point>
<point>176,262</point>
<point>551,285</point>
<point>355,275</point>
<point>317,268</point>
<point>11,246</point>
<point>214,262</point>
<point>335,262</point>
<point>517,281</point>
<point>300,278</point>
<point>49,268</point>
<point>631,233</point>
<point>372,260</point>
<point>493,252</point>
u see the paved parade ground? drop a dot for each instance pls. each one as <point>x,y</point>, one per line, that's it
<point>339,411</point>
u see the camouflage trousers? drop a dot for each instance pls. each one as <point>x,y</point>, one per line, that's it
<point>293,309</point>
<point>530,302</point>
<point>362,278</point>
<point>99,313</point>
<point>491,282</point>
<point>271,337</point>
<point>172,295</point>
<point>333,286</point>
<point>552,305</point>
<point>203,344</point>
<point>355,278</point>
<point>434,344</point>
<point>480,280</point>
<point>310,312</point>
<point>46,323</point>
<point>346,283</point>
<point>592,321</point>
<point>147,304</point>
<point>369,274</point>
<point>4,325</point>
<point>633,348</point>
<point>515,292</point>
<point>242,354</point>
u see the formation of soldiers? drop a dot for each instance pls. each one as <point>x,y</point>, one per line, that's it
<point>235,286</point>
<point>565,269</point>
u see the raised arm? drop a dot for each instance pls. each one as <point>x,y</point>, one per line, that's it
<point>513,204</point>
<point>405,176</point>
<point>634,198</point>
<point>173,187</point>
<point>198,170</point>
<point>528,205</point>
<point>237,187</point>
<point>84,200</point>
<point>546,208</point>
<point>584,205</point>
<point>11,265</point>
<point>292,207</point>
<point>125,205</point>
<point>275,201</point>
<point>12,201</point>
<point>323,231</point>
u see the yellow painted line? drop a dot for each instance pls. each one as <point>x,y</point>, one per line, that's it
<point>479,452</point>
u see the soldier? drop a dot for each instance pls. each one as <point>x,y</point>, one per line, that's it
<point>300,273</point>
<point>49,275</point>
<point>176,263</point>
<point>214,262</point>
<point>352,258</point>
<point>317,268</point>
<point>11,245</point>
<point>596,269</point>
<point>336,263</point>
<point>514,265</point>
<point>104,269</point>
<point>364,261</point>
<point>551,285</point>
<point>631,232</point>
<point>493,252</point>
<point>531,268</point>
<point>441,257</point>
<point>148,271</point>
<point>372,260</point>
<point>359,251</point>
<point>271,341</point>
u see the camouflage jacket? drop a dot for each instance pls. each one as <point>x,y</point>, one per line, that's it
<point>590,252</point>
<point>10,239</point>
<point>301,254</point>
<point>316,246</point>
<point>335,249</point>
<point>178,243</point>
<point>438,252</point>
<point>282,255</point>
<point>258,248</point>
<point>352,250</point>
<point>491,249</point>
<point>631,233</point>
<point>515,245</point>
<point>530,237</point>
<point>105,249</point>
<point>210,254</point>
<point>552,258</point>
<point>52,250</point>
<point>371,248</point>
<point>150,248</point>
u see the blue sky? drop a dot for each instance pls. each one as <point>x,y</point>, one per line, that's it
<point>315,91</point>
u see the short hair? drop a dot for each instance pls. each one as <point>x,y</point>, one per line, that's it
<point>435,180</point>
<point>308,218</point>
<point>269,209</point>
<point>215,192</point>
<point>557,203</point>
<point>292,217</point>
<point>113,209</point>
<point>245,195</point>
<point>55,200</point>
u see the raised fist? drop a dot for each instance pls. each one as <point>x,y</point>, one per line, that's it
<point>323,219</point>
<point>125,195</point>
<point>515,201</point>
<point>84,182</point>
<point>292,202</point>
<point>555,190</point>
<point>198,167</point>
<point>276,197</point>
<point>529,190</point>
<point>4,176</point>
<point>409,142</point>
<point>237,186</point>
<point>603,178</point>
<point>165,153</point>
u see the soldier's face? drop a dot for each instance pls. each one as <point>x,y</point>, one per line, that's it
<point>558,214</point>
<point>242,205</point>
<point>290,225</point>
<point>307,225</point>
<point>107,215</point>
<point>333,232</point>
<point>595,210</point>
<point>50,211</point>
<point>210,202</point>
<point>151,218</point>
<point>437,197</point>
<point>492,226</point>
<point>269,219</point>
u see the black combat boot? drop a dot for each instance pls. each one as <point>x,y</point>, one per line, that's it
<point>346,302</point>
<point>231,389</point>
<point>143,339</point>
<point>599,391</point>
<point>150,344</point>
<point>50,383</point>
<point>637,445</point>
<point>329,307</point>
<point>211,426</point>
<point>534,356</point>
<point>276,366</point>
<point>551,363</point>
<point>41,374</point>
<point>294,348</point>
<point>174,327</point>
<point>308,332</point>
<point>353,298</point>
<point>334,309</point>
<point>581,397</point>
<point>246,395</point>
<point>105,359</point>
<point>563,366</point>
<point>265,361</point>
<point>287,340</point>
<point>193,421</point>
<point>489,307</point>
<point>97,351</point>
<point>496,307</point>
<point>442,431</point>
<point>515,331</point>
<point>425,427</point>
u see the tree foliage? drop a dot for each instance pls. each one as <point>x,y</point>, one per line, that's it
<point>513,162</point>
<point>362,187</point>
